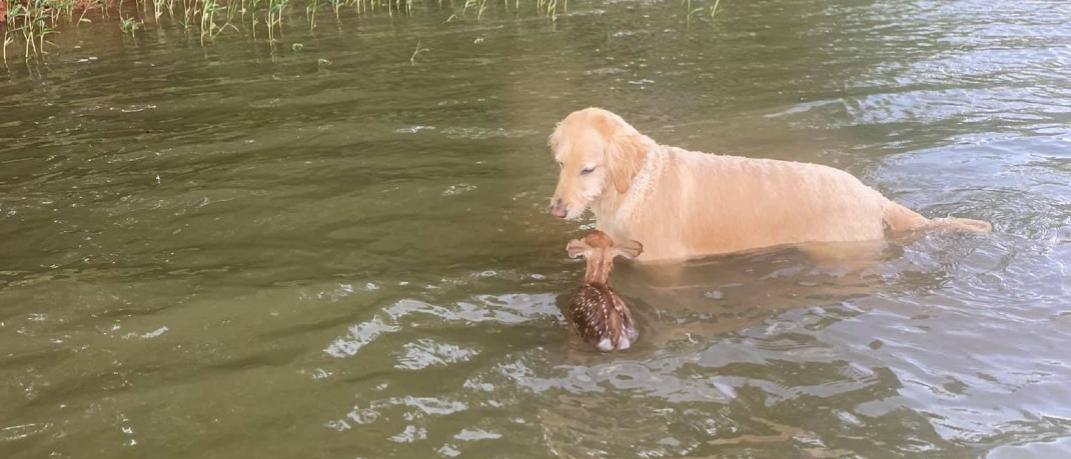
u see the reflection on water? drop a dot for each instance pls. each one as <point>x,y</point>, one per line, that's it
<point>336,253</point>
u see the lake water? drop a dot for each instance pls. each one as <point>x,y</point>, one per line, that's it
<point>231,251</point>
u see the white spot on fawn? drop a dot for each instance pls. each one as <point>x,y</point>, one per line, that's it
<point>605,345</point>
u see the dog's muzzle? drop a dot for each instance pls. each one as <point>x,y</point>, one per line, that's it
<point>558,208</point>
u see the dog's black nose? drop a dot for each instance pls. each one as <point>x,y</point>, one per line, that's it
<point>558,209</point>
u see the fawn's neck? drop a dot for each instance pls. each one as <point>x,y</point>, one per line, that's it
<point>598,269</point>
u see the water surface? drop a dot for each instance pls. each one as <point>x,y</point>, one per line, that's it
<point>234,251</point>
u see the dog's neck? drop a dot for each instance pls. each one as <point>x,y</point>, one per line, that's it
<point>613,208</point>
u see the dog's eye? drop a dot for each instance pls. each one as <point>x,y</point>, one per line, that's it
<point>587,170</point>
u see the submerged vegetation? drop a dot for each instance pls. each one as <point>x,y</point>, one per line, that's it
<point>32,21</point>
<point>26,24</point>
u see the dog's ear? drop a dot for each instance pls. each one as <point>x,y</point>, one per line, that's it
<point>577,247</point>
<point>624,158</point>
<point>625,148</point>
<point>552,139</point>
<point>630,249</point>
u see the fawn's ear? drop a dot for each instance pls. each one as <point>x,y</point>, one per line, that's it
<point>577,247</point>
<point>630,249</point>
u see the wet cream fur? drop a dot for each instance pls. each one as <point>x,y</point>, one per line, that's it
<point>683,204</point>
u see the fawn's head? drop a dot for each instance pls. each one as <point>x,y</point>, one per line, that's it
<point>599,250</point>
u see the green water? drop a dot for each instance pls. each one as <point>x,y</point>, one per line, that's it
<point>229,251</point>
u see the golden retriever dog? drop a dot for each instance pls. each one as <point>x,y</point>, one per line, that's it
<point>682,204</point>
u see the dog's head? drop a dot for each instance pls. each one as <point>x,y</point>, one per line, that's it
<point>598,152</point>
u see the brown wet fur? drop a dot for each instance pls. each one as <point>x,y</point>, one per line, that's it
<point>594,310</point>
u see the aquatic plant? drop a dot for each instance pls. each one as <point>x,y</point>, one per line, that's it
<point>8,40</point>
<point>336,5</point>
<point>416,52</point>
<point>130,25</point>
<point>208,12</point>
<point>29,22</point>
<point>158,8</point>
<point>310,12</point>
<point>33,20</point>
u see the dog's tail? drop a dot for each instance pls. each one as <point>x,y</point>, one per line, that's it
<point>899,218</point>
<point>961,224</point>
